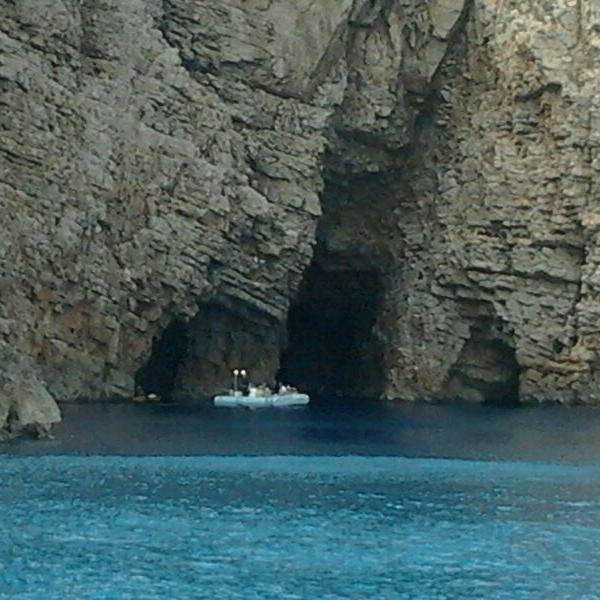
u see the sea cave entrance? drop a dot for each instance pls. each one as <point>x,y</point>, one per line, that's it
<point>332,348</point>
<point>487,370</point>
<point>194,359</point>
<point>159,374</point>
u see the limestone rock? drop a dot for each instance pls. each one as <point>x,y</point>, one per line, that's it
<point>159,157</point>
<point>25,404</point>
<point>444,15</point>
<point>502,187</point>
<point>165,160</point>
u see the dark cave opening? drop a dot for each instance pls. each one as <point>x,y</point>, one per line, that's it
<point>487,370</point>
<point>332,349</point>
<point>506,391</point>
<point>223,337</point>
<point>159,374</point>
<point>193,360</point>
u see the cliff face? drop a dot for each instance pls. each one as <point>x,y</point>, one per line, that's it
<point>169,169</point>
<point>498,289</point>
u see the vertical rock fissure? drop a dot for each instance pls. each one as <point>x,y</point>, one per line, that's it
<point>393,62</point>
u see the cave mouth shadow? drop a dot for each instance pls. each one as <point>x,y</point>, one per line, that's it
<point>504,391</point>
<point>159,374</point>
<point>332,350</point>
<point>487,370</point>
<point>192,360</point>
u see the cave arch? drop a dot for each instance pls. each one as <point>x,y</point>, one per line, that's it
<point>194,360</point>
<point>487,370</point>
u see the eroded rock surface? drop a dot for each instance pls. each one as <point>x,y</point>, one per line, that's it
<point>137,185</point>
<point>500,218</point>
<point>168,161</point>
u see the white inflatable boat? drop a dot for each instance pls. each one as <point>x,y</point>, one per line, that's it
<point>262,401</point>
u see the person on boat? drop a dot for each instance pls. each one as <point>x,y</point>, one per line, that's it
<point>244,382</point>
<point>265,389</point>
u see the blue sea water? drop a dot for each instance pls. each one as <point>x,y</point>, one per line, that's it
<point>301,526</point>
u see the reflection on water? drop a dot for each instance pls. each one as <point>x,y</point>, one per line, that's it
<point>307,527</point>
<point>335,428</point>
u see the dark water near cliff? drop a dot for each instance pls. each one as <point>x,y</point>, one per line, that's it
<point>546,433</point>
<point>336,502</point>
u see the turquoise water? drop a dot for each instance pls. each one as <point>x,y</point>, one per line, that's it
<point>297,527</point>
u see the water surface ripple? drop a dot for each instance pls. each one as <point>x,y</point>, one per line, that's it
<point>304,523</point>
<point>297,527</point>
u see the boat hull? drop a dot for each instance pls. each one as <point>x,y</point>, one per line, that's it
<point>262,401</point>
